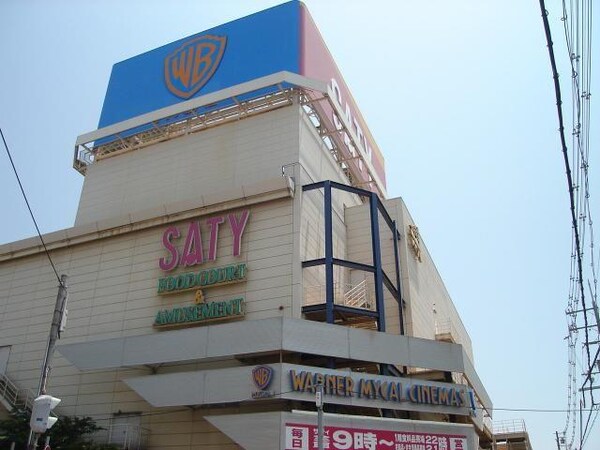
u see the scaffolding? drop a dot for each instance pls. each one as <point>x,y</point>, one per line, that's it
<point>236,103</point>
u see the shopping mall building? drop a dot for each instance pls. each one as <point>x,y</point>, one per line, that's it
<point>234,247</point>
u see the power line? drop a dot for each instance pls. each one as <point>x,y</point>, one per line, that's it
<point>278,394</point>
<point>539,410</point>
<point>563,142</point>
<point>29,207</point>
<point>561,130</point>
<point>584,440</point>
<point>577,24</point>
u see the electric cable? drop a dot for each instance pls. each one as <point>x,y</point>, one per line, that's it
<point>566,161</point>
<point>584,441</point>
<point>577,25</point>
<point>29,207</point>
<point>276,395</point>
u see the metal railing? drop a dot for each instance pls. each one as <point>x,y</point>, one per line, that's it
<point>127,436</point>
<point>13,396</point>
<point>181,124</point>
<point>509,427</point>
<point>445,328</point>
<point>355,296</point>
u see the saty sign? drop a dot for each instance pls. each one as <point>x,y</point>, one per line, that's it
<point>193,253</point>
<point>196,251</point>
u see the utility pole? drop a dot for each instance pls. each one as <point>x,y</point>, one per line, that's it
<point>58,324</point>
<point>319,402</point>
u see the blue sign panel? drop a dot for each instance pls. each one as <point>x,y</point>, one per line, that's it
<point>224,56</point>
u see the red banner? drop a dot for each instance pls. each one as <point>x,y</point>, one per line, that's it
<point>304,437</point>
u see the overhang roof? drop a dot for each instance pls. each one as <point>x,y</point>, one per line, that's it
<point>252,337</point>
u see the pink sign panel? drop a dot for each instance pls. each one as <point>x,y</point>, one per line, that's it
<point>304,437</point>
<point>317,62</point>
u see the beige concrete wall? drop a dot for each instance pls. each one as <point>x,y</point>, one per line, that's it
<point>112,281</point>
<point>186,429</point>
<point>227,156</point>
<point>428,301</point>
<point>112,292</point>
<point>176,429</point>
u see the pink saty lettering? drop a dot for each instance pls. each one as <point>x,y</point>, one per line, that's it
<point>214,223</point>
<point>237,229</point>
<point>192,250</point>
<point>170,233</point>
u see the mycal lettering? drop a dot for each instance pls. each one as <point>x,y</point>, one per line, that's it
<point>383,389</point>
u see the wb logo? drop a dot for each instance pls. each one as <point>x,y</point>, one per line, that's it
<point>262,376</point>
<point>190,67</point>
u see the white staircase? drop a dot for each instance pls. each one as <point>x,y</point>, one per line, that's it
<point>357,297</point>
<point>12,397</point>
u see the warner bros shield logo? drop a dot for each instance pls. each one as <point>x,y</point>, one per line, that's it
<point>190,67</point>
<point>262,377</point>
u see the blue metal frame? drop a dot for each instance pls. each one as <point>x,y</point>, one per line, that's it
<point>343,309</point>
<point>329,292</point>
<point>379,276</point>
<point>398,296</point>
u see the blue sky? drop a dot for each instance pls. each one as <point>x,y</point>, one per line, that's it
<point>459,97</point>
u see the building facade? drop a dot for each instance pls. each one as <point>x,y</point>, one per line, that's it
<point>234,247</point>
